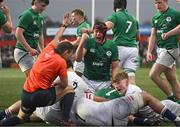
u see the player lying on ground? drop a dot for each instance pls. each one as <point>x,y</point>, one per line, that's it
<point>145,116</point>
<point>101,113</point>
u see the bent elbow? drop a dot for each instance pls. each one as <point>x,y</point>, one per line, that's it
<point>8,30</point>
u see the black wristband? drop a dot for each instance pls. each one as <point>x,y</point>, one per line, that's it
<point>63,25</point>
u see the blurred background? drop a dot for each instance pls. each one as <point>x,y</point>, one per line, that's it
<point>54,14</point>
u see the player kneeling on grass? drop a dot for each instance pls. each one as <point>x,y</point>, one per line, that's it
<point>37,90</point>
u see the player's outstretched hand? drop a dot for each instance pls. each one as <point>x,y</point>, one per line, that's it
<point>5,9</point>
<point>66,19</point>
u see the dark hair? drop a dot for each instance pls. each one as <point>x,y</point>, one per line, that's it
<point>43,1</point>
<point>78,12</point>
<point>122,4</point>
<point>63,46</point>
<point>120,76</point>
<point>69,64</point>
<point>100,26</point>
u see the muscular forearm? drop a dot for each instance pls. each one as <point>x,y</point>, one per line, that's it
<point>152,40</point>
<point>79,52</point>
<point>9,20</point>
<point>115,68</point>
<point>174,31</point>
<point>151,44</point>
<point>7,27</point>
<point>58,35</point>
<point>41,42</point>
<point>23,41</point>
<point>76,42</point>
<point>80,49</point>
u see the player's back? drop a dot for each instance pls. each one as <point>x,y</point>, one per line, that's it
<point>125,28</point>
<point>47,67</point>
<point>89,112</point>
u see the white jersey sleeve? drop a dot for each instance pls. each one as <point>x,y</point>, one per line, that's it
<point>77,82</point>
<point>132,89</point>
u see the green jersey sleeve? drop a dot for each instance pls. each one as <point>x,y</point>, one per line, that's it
<point>2,18</point>
<point>114,52</point>
<point>25,20</point>
<point>178,17</point>
<point>112,18</point>
<point>83,25</point>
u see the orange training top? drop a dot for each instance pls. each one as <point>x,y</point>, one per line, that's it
<point>47,67</point>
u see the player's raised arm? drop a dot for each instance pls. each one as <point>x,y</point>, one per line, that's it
<point>59,34</point>
<point>81,51</point>
<point>7,26</point>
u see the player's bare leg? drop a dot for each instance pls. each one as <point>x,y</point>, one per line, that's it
<point>158,107</point>
<point>155,75</point>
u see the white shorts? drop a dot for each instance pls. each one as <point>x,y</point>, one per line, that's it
<point>129,58</point>
<point>78,66</point>
<point>166,57</point>
<point>24,59</point>
<point>172,106</point>
<point>96,85</point>
<point>108,113</point>
<point>51,114</point>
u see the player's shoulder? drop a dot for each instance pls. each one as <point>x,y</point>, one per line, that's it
<point>132,89</point>
<point>27,11</point>
<point>77,82</point>
<point>110,43</point>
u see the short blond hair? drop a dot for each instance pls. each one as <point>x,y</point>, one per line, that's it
<point>78,12</point>
<point>120,76</point>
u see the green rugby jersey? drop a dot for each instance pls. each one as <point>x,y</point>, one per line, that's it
<point>32,22</point>
<point>164,22</point>
<point>82,26</point>
<point>108,93</point>
<point>98,59</point>
<point>125,28</point>
<point>2,18</point>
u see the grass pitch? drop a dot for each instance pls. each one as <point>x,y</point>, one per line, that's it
<point>11,82</point>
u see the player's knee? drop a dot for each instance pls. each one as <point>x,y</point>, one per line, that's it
<point>152,75</point>
<point>172,79</point>
<point>60,93</point>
